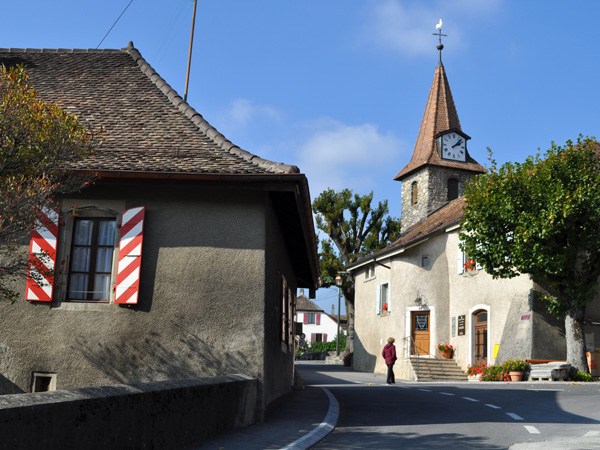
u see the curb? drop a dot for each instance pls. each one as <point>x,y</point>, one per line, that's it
<point>322,430</point>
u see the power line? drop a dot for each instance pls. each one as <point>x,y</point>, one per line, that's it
<point>113,25</point>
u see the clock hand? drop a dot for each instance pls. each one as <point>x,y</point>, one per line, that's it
<point>457,143</point>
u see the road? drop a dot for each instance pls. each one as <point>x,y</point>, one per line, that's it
<point>480,415</point>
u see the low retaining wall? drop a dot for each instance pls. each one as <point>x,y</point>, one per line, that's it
<point>164,414</point>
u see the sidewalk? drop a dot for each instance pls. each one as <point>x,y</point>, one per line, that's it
<point>296,421</point>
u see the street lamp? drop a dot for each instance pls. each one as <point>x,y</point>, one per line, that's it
<point>338,283</point>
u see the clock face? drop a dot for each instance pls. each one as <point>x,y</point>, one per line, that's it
<point>454,147</point>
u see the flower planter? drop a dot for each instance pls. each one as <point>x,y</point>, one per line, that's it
<point>446,354</point>
<point>516,376</point>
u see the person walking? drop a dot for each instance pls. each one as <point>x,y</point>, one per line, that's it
<point>389,354</point>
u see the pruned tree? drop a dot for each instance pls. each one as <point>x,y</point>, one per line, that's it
<point>37,143</point>
<point>353,229</point>
<point>542,218</point>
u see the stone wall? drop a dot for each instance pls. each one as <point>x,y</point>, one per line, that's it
<point>166,414</point>
<point>433,192</point>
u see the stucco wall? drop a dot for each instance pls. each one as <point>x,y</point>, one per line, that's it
<point>203,296</point>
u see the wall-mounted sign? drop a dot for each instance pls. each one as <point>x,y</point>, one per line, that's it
<point>461,325</point>
<point>526,317</point>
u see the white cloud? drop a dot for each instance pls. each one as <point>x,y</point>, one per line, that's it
<point>407,27</point>
<point>243,111</point>
<point>340,156</point>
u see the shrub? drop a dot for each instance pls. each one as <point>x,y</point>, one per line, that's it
<point>581,376</point>
<point>317,347</point>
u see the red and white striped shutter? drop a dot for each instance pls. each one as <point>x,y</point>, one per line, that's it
<point>42,257</point>
<point>130,256</point>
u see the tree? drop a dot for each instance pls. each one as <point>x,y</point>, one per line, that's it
<point>356,230</point>
<point>37,142</point>
<point>542,218</point>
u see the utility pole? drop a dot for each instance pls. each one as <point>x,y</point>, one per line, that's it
<point>187,78</point>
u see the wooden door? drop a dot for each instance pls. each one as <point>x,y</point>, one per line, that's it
<point>481,337</point>
<point>420,332</point>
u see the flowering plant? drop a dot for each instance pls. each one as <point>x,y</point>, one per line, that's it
<point>444,347</point>
<point>470,264</point>
<point>475,369</point>
<point>385,307</point>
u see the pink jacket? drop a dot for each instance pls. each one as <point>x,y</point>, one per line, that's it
<point>389,353</point>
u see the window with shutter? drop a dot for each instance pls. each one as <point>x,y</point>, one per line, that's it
<point>318,319</point>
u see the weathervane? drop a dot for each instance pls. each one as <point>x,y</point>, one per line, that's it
<point>439,34</point>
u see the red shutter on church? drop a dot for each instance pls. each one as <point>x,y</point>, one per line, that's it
<point>130,256</point>
<point>42,257</point>
<point>318,319</point>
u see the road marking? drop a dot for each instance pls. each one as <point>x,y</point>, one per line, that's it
<point>550,390</point>
<point>592,434</point>
<point>425,390</point>
<point>493,406</point>
<point>532,430</point>
<point>470,399</point>
<point>446,393</point>
<point>514,416</point>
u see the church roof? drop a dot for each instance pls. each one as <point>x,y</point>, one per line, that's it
<point>436,223</point>
<point>440,115</point>
<point>147,127</point>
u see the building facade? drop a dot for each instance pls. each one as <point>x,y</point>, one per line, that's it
<point>182,258</point>
<point>423,290</point>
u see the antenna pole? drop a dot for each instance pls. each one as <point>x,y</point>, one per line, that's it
<point>187,78</point>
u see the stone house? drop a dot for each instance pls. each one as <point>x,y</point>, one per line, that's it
<point>434,293</point>
<point>181,260</point>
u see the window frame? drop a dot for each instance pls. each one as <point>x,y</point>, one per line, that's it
<point>101,209</point>
<point>381,301</point>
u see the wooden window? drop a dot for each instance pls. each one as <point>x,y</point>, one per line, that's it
<point>311,318</point>
<point>414,193</point>
<point>92,253</point>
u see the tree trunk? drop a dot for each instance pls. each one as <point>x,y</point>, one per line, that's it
<point>575,337</point>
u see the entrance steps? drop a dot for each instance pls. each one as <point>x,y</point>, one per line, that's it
<point>432,369</point>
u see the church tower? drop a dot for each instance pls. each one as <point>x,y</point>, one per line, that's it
<point>440,164</point>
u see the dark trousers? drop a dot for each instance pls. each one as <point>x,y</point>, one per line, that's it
<point>390,374</point>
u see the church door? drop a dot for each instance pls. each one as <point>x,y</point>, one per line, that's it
<point>481,337</point>
<point>420,332</point>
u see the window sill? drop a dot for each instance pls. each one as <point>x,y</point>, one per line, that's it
<point>88,306</point>
<point>470,273</point>
<point>384,314</point>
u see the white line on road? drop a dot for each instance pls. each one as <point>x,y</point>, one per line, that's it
<point>493,406</point>
<point>551,390</point>
<point>532,430</point>
<point>592,434</point>
<point>514,416</point>
<point>447,393</point>
<point>470,399</point>
<point>425,390</point>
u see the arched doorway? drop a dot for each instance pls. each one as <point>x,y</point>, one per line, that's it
<point>480,320</point>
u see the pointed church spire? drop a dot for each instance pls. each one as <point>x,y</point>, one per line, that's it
<point>440,115</point>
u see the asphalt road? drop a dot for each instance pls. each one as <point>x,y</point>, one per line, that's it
<point>490,416</point>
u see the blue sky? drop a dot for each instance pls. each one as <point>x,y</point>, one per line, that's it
<point>338,87</point>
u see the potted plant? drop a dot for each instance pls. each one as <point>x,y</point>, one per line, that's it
<point>445,350</point>
<point>475,371</point>
<point>470,266</point>
<point>515,368</point>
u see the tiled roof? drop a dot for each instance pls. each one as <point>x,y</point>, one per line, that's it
<point>440,115</point>
<point>147,127</point>
<point>304,304</point>
<point>436,223</point>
